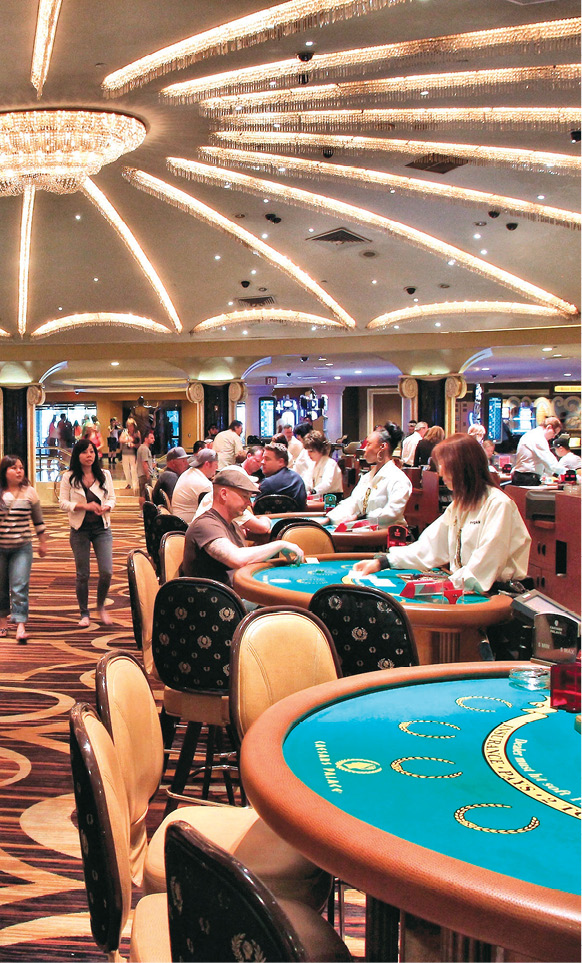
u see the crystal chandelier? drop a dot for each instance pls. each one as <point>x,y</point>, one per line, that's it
<point>56,150</point>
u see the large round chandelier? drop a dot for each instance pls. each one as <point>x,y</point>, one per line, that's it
<point>56,150</point>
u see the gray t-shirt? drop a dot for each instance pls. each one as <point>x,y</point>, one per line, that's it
<point>197,563</point>
<point>144,457</point>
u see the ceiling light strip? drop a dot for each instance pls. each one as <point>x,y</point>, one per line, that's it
<point>105,208</point>
<point>46,25</point>
<point>190,205</point>
<point>530,160</point>
<point>59,325</point>
<point>506,118</point>
<point>278,163</point>
<point>24,260</point>
<point>554,34</point>
<point>272,23</point>
<point>463,83</point>
<point>420,312</point>
<point>263,316</point>
<point>328,205</point>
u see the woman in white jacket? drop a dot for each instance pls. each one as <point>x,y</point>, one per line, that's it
<point>88,497</point>
<point>481,536</point>
<point>382,493</point>
<point>324,474</point>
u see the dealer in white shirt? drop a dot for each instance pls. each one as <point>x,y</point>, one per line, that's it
<point>411,441</point>
<point>566,458</point>
<point>534,457</point>
<point>382,493</point>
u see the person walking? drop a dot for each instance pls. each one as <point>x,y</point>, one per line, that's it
<point>87,496</point>
<point>130,441</point>
<point>19,505</point>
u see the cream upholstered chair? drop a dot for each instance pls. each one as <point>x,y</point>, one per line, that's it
<point>171,555</point>
<point>128,711</point>
<point>242,919</point>
<point>104,831</point>
<point>309,536</point>
<point>166,501</point>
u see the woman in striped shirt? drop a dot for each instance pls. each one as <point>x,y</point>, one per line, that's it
<point>19,504</point>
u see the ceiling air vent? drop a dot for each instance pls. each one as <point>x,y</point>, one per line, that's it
<point>340,236</point>
<point>260,301</point>
<point>436,163</point>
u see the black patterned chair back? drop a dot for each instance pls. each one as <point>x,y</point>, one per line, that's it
<point>149,512</point>
<point>370,628</point>
<point>275,505</point>
<point>161,524</point>
<point>280,523</point>
<point>193,626</point>
<point>217,909</point>
<point>103,823</point>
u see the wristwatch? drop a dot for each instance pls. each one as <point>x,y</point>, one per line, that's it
<point>382,557</point>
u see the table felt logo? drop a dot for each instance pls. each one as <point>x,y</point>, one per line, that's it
<point>359,766</point>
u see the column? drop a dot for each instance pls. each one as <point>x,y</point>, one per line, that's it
<point>195,395</point>
<point>333,412</point>
<point>455,387</point>
<point>253,393</point>
<point>35,395</point>
<point>236,394</point>
<point>408,391</point>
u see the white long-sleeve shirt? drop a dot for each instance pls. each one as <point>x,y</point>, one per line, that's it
<point>191,483</point>
<point>389,490</point>
<point>570,460</point>
<point>533,453</point>
<point>227,446</point>
<point>409,447</point>
<point>323,476</point>
<point>481,546</point>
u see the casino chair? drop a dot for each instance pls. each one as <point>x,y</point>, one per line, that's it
<point>128,712</point>
<point>218,910</point>
<point>193,624</point>
<point>171,555</point>
<point>309,535</point>
<point>103,822</point>
<point>149,512</point>
<point>148,492</point>
<point>161,524</point>
<point>275,505</point>
<point>165,500</point>
<point>370,629</point>
<point>280,523</point>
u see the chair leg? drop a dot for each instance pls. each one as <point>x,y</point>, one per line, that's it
<point>184,763</point>
<point>225,766</point>
<point>168,726</point>
<point>212,730</point>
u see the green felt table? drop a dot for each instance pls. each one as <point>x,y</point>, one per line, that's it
<point>442,790</point>
<point>444,633</point>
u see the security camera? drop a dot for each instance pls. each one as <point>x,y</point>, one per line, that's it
<point>245,284</point>
<point>512,226</point>
<point>289,374</point>
<point>305,357</point>
<point>410,290</point>
<point>575,136</point>
<point>327,152</point>
<point>493,213</point>
<point>305,56</point>
<point>493,377</point>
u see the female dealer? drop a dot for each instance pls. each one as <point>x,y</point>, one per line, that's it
<point>481,536</point>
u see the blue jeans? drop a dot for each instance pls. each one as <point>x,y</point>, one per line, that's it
<point>15,565</point>
<point>102,541</point>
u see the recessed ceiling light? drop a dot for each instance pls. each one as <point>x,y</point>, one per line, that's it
<point>477,369</point>
<point>95,279</point>
<point>451,262</point>
<point>322,359</point>
<point>476,236</point>
<point>281,170</point>
<point>541,197</point>
<point>486,369</point>
<point>358,371</point>
<point>480,223</point>
<point>329,364</point>
<point>224,326</point>
<point>245,331</point>
<point>437,324</point>
<point>374,282</point>
<point>60,307</point>
<point>314,327</point>
<point>547,349</point>
<point>415,300</point>
<point>265,200</point>
<point>264,236</point>
<point>338,377</point>
<point>396,326</point>
<point>217,257</point>
<point>567,374</point>
<point>424,93</point>
<point>115,364</point>
<point>323,382</point>
<point>557,356</point>
<point>483,250</point>
<point>230,304</point>
<point>253,271</point>
<point>77,217</point>
<point>309,43</point>
<point>392,190</point>
<point>311,230</point>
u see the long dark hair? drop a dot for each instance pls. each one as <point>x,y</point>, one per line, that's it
<point>7,462</point>
<point>466,462</point>
<point>77,469</point>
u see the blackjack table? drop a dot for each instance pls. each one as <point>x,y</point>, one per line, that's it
<point>444,791</point>
<point>443,632</point>
<point>353,540</point>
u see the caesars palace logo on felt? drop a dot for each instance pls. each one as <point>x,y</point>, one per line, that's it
<point>353,766</point>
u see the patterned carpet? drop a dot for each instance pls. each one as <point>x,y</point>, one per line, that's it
<point>43,910</point>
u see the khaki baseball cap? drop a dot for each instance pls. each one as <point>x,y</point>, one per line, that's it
<point>234,477</point>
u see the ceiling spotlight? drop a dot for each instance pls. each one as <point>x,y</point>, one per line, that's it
<point>115,364</point>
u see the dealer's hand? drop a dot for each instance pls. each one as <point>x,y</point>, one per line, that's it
<point>291,553</point>
<point>367,567</point>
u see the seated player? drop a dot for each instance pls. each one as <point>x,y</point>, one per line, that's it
<point>176,465</point>
<point>325,474</point>
<point>566,458</point>
<point>253,461</point>
<point>193,482</point>
<point>279,479</point>
<point>382,493</point>
<point>214,545</point>
<point>481,537</point>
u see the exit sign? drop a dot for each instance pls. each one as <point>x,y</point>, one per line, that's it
<point>271,380</point>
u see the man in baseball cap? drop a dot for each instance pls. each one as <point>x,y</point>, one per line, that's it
<point>176,464</point>
<point>214,545</point>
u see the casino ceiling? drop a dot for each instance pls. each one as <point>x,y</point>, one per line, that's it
<point>213,190</point>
